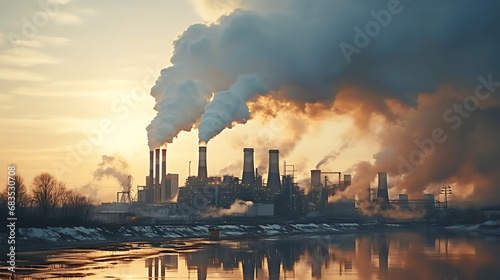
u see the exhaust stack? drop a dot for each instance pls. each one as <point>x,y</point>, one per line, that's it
<point>149,191</point>
<point>273,177</point>
<point>382,194</point>
<point>248,178</point>
<point>347,180</point>
<point>163,175</point>
<point>202,162</point>
<point>315,179</point>
<point>157,176</point>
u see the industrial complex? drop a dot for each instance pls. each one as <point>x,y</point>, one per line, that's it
<point>161,200</point>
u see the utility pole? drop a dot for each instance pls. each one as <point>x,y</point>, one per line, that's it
<point>189,168</point>
<point>446,190</point>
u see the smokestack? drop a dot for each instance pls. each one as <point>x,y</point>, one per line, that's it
<point>429,201</point>
<point>157,175</point>
<point>163,174</point>
<point>202,163</point>
<point>248,178</point>
<point>149,191</point>
<point>315,179</point>
<point>347,180</point>
<point>382,194</point>
<point>273,177</point>
<point>403,201</point>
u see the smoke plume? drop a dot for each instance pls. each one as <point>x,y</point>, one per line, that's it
<point>179,107</point>
<point>238,207</point>
<point>229,107</point>
<point>395,212</point>
<point>408,62</point>
<point>114,167</point>
<point>333,154</point>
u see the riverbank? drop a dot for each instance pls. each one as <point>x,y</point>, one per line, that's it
<point>54,237</point>
<point>60,237</point>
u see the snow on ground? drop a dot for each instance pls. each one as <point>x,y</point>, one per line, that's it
<point>75,234</point>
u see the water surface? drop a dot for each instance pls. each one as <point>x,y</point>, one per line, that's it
<point>382,255</point>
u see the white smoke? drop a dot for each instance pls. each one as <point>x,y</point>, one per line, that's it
<point>179,106</point>
<point>229,107</point>
<point>115,167</point>
<point>238,207</point>
<point>292,50</point>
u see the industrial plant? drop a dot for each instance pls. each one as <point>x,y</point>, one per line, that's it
<point>202,197</point>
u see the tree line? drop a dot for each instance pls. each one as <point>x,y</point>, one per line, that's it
<point>47,202</point>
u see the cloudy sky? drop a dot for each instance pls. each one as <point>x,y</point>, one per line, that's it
<point>360,82</point>
<point>70,65</point>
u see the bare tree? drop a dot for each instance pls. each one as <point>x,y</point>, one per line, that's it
<point>21,192</point>
<point>48,193</point>
<point>75,206</point>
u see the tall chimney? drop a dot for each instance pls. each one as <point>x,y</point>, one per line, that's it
<point>157,175</point>
<point>315,179</point>
<point>347,180</point>
<point>163,174</point>
<point>202,163</point>
<point>248,178</point>
<point>382,194</point>
<point>149,191</point>
<point>273,177</point>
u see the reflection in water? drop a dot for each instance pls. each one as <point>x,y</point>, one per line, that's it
<point>384,255</point>
<point>401,255</point>
<point>160,265</point>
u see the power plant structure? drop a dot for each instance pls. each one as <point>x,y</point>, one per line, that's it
<point>203,190</point>
<point>380,196</point>
<point>160,187</point>
<point>163,199</point>
<point>248,178</point>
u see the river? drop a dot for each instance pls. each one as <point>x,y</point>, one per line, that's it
<point>426,254</point>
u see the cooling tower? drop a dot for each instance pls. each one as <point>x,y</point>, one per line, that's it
<point>403,201</point>
<point>382,194</point>
<point>157,175</point>
<point>202,163</point>
<point>273,177</point>
<point>315,179</point>
<point>248,178</point>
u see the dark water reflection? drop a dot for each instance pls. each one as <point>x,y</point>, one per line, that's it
<point>387,255</point>
<point>401,255</point>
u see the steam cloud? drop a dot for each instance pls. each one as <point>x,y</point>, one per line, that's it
<point>114,167</point>
<point>422,61</point>
<point>238,207</point>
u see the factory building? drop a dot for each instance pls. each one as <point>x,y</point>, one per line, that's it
<point>160,187</point>
<point>281,196</point>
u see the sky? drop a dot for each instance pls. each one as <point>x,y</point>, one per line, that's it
<point>370,86</point>
<point>71,66</point>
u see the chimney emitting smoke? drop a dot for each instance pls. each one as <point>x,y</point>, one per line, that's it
<point>202,162</point>
<point>157,176</point>
<point>149,191</point>
<point>248,178</point>
<point>315,179</point>
<point>163,174</point>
